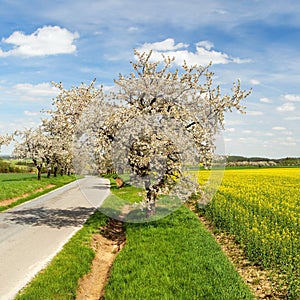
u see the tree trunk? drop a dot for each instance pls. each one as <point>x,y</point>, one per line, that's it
<point>150,210</point>
<point>151,198</point>
<point>119,182</point>
<point>39,168</point>
<point>55,171</point>
<point>48,172</point>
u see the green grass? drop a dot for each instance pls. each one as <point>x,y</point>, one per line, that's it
<point>173,258</point>
<point>126,196</point>
<point>128,193</point>
<point>60,279</point>
<point>114,203</point>
<point>15,185</point>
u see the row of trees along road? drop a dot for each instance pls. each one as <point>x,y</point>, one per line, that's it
<point>158,119</point>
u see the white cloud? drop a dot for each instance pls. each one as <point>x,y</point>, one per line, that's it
<point>40,89</point>
<point>109,88</point>
<point>133,29</point>
<point>289,144</point>
<point>31,113</point>
<point>31,92</point>
<point>21,123</point>
<point>227,140</point>
<point>48,40</point>
<point>292,97</point>
<point>286,107</point>
<point>254,113</point>
<point>265,100</point>
<point>279,128</point>
<point>288,133</point>
<point>232,122</point>
<point>220,11</point>
<point>294,118</point>
<point>205,44</point>
<point>292,139</point>
<point>166,45</point>
<point>202,56</point>
<point>255,82</point>
<point>97,32</point>
<point>230,129</point>
<point>248,139</point>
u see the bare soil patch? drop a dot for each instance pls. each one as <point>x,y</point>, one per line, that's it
<point>6,202</point>
<point>106,245</point>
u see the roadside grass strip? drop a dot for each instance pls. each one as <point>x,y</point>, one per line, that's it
<point>59,280</point>
<point>119,197</point>
<point>131,197</point>
<point>26,187</point>
<point>173,258</point>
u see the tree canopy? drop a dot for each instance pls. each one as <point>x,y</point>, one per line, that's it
<point>160,121</point>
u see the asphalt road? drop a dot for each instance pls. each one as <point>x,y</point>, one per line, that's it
<point>34,232</point>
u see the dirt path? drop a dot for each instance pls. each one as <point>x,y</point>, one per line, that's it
<point>106,246</point>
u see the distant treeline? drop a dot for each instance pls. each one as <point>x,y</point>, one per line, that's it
<point>287,161</point>
<point>7,167</point>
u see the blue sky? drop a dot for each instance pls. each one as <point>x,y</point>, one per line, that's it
<point>75,41</point>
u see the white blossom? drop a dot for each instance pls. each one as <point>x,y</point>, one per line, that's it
<point>159,123</point>
<point>5,139</point>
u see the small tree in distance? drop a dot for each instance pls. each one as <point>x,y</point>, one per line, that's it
<point>159,121</point>
<point>34,146</point>
<point>5,139</point>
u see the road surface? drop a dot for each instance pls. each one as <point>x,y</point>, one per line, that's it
<point>34,232</point>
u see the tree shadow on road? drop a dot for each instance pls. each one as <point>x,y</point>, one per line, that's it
<point>100,187</point>
<point>55,218</point>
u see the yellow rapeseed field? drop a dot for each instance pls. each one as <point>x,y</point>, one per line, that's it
<point>261,207</point>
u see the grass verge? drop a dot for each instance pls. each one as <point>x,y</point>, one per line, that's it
<point>119,198</point>
<point>124,204</point>
<point>60,279</point>
<point>27,187</point>
<point>173,258</point>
